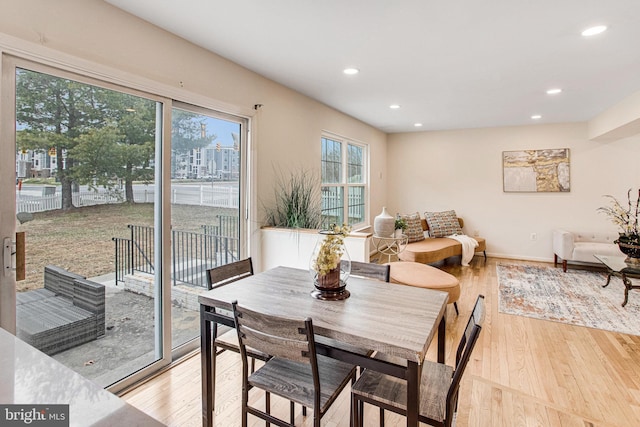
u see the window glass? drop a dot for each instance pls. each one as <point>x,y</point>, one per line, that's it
<point>355,164</point>
<point>331,161</point>
<point>343,182</point>
<point>356,205</point>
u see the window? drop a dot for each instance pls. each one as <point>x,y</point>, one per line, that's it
<point>343,182</point>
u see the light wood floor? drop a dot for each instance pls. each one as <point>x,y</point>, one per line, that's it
<point>523,372</point>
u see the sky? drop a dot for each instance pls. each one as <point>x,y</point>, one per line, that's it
<point>222,129</point>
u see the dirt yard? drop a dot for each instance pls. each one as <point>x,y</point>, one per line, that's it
<point>79,240</point>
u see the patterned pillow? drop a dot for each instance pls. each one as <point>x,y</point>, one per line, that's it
<point>414,227</point>
<point>442,224</point>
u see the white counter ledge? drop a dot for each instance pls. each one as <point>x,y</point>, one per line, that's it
<point>30,377</point>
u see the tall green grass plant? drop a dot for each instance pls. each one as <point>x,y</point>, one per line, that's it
<point>296,201</point>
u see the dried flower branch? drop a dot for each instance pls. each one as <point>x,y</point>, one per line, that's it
<point>331,249</point>
<point>624,217</point>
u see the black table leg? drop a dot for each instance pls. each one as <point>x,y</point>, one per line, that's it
<point>627,286</point>
<point>608,279</point>
<point>206,370</point>
<point>413,393</point>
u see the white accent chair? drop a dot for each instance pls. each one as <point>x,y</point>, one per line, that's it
<point>582,246</point>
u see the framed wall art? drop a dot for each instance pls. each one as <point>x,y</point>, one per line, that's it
<point>532,171</point>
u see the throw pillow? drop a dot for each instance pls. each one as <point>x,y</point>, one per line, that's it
<point>442,224</point>
<point>414,227</point>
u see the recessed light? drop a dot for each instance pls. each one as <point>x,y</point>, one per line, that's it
<point>351,71</point>
<point>417,125</point>
<point>594,30</point>
<point>394,106</point>
<point>536,117</point>
<point>554,91</point>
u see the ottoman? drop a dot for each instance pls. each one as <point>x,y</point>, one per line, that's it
<point>424,276</point>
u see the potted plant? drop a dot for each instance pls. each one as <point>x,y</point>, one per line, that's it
<point>627,219</point>
<point>296,201</point>
<point>400,226</point>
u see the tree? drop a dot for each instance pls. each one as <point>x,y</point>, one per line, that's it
<point>52,113</point>
<point>123,149</point>
<point>99,135</point>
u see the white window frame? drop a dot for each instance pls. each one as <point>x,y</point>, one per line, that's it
<point>344,184</point>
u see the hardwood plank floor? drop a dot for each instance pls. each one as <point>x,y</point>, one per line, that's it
<point>523,372</point>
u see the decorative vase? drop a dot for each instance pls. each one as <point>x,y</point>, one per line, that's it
<point>384,224</point>
<point>330,267</point>
<point>629,246</point>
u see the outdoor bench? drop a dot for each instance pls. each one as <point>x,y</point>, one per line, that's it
<point>67,312</point>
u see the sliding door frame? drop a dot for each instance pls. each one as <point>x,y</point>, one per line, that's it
<point>17,53</point>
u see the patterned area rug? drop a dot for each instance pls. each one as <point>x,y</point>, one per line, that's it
<point>575,297</point>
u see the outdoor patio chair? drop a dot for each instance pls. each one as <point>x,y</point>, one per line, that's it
<point>438,388</point>
<point>220,276</point>
<point>295,372</point>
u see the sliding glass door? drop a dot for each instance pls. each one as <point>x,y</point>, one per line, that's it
<point>126,199</point>
<point>206,164</point>
<point>87,159</point>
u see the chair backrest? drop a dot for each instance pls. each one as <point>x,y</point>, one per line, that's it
<point>274,335</point>
<point>465,347</point>
<point>370,270</point>
<point>229,273</point>
<point>277,336</point>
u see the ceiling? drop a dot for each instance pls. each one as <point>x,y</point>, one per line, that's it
<point>448,64</point>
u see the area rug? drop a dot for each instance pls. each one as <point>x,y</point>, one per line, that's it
<point>575,297</point>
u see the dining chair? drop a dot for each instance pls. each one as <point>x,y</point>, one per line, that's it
<point>220,276</point>
<point>295,372</point>
<point>370,270</point>
<point>439,384</point>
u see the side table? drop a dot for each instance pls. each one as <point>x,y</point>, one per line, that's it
<point>390,246</point>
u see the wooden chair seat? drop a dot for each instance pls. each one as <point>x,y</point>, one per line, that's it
<point>391,392</point>
<point>294,380</point>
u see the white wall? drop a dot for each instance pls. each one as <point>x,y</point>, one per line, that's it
<point>462,170</point>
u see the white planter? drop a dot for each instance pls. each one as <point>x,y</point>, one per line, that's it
<point>293,247</point>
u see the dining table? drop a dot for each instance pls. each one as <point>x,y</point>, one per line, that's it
<point>389,318</point>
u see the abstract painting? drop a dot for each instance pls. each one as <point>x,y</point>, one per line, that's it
<point>536,170</point>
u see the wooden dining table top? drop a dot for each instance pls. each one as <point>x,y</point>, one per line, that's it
<point>394,319</point>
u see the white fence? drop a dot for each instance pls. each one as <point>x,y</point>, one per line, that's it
<point>203,195</point>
